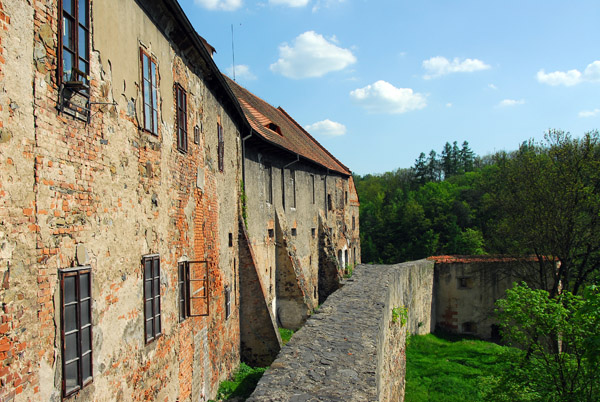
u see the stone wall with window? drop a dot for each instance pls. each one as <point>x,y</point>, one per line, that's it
<point>94,184</point>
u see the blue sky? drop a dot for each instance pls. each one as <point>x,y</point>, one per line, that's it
<point>378,82</point>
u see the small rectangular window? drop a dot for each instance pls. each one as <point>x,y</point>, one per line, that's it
<point>221,147</point>
<point>346,197</point>
<point>152,324</point>
<point>76,328</point>
<point>230,239</point>
<point>271,233</point>
<point>74,59</point>
<point>313,232</point>
<point>329,202</point>
<point>181,106</point>
<point>353,223</point>
<point>465,282</point>
<point>149,92</point>
<point>294,231</point>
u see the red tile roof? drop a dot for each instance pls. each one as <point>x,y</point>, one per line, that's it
<point>292,138</point>
<point>469,259</point>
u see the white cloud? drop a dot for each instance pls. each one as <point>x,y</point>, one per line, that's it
<point>311,55</point>
<point>225,5</point>
<point>328,128</point>
<point>290,3</point>
<point>492,86</point>
<point>242,72</point>
<point>449,104</point>
<point>383,97</point>
<point>511,102</point>
<point>589,113</point>
<point>325,3</point>
<point>571,77</point>
<point>438,66</point>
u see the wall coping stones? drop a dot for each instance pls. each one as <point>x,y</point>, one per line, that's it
<point>333,357</point>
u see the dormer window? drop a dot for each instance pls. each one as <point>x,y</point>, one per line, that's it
<point>274,127</point>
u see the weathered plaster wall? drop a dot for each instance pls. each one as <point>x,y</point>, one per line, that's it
<point>466,291</point>
<point>287,239</point>
<point>351,349</point>
<point>105,194</point>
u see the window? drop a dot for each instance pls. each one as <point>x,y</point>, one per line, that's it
<point>221,147</point>
<point>181,105</point>
<point>271,233</point>
<point>329,202</point>
<point>230,239</point>
<point>465,283</point>
<point>294,231</point>
<point>293,180</point>
<point>152,327</point>
<point>313,232</point>
<point>227,302</point>
<point>269,182</point>
<point>353,223</point>
<point>184,290</point>
<point>74,60</point>
<point>76,330</point>
<point>193,292</point>
<point>149,90</point>
<point>312,179</point>
<point>345,197</point>
<point>196,134</point>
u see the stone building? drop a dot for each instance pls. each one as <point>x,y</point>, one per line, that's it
<point>121,159</point>
<point>301,220</point>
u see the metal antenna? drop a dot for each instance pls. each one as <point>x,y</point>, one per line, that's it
<point>232,53</point>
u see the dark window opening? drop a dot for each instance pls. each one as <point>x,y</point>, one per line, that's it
<point>271,233</point>
<point>329,202</point>
<point>220,147</point>
<point>149,93</point>
<point>181,106</point>
<point>353,223</point>
<point>76,329</point>
<point>469,327</point>
<point>345,197</point>
<point>274,127</point>
<point>294,232</point>
<point>313,232</point>
<point>184,290</point>
<point>465,283</point>
<point>230,239</point>
<point>495,332</point>
<point>315,292</point>
<point>196,134</point>
<point>152,327</point>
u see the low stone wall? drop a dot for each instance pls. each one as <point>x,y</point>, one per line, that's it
<point>352,349</point>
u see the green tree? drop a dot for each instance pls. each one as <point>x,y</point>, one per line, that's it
<point>554,359</point>
<point>549,202</point>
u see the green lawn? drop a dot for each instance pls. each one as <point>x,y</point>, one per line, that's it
<point>243,383</point>
<point>448,368</point>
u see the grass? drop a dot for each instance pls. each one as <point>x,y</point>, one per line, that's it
<point>448,368</point>
<point>286,335</point>
<point>243,383</point>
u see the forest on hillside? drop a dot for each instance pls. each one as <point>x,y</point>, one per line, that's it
<point>541,199</point>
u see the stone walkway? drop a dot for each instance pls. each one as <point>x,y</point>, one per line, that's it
<point>334,356</point>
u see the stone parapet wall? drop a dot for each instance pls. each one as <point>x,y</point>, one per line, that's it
<point>352,349</point>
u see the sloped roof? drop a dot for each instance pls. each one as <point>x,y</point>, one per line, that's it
<point>292,136</point>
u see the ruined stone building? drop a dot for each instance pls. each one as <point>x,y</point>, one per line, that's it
<point>130,255</point>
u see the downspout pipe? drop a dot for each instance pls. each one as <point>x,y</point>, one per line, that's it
<point>292,162</point>
<point>244,157</point>
<point>325,186</point>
